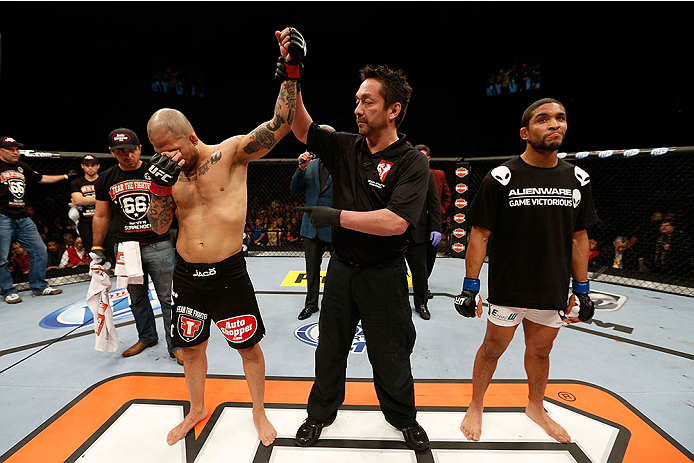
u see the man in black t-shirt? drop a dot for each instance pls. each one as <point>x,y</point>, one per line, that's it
<point>379,188</point>
<point>533,210</point>
<point>15,223</point>
<point>122,201</point>
<point>83,197</point>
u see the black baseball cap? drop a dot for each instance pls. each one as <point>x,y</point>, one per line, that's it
<point>89,159</point>
<point>123,138</point>
<point>8,142</point>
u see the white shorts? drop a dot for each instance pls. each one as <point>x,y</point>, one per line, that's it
<point>511,316</point>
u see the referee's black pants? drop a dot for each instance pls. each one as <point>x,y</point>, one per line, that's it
<point>416,256</point>
<point>313,252</point>
<point>377,295</point>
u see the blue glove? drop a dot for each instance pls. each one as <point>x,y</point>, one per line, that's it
<point>435,238</point>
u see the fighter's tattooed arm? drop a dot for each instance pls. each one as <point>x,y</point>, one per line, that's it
<point>265,137</point>
<point>161,213</point>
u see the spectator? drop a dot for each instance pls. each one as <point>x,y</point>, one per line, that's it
<point>54,255</point>
<point>622,257</point>
<point>68,240</point>
<point>667,249</point>
<point>15,224</point>
<point>19,259</point>
<point>258,233</point>
<point>273,234</point>
<point>75,255</point>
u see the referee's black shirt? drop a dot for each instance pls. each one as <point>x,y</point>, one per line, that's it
<point>395,179</point>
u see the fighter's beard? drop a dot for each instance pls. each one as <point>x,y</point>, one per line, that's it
<point>544,145</point>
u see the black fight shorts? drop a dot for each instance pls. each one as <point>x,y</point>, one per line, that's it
<point>221,293</point>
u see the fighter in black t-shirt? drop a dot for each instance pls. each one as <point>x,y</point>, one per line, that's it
<point>379,187</point>
<point>533,211</point>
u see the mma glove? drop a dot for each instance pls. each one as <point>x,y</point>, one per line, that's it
<point>581,290</point>
<point>322,216</point>
<point>466,302</point>
<point>294,68</point>
<point>164,172</point>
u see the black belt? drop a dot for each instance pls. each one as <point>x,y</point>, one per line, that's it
<point>369,264</point>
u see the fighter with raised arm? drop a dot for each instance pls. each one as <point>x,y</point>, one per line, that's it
<point>204,187</point>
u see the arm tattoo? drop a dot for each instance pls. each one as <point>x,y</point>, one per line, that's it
<point>161,212</point>
<point>264,137</point>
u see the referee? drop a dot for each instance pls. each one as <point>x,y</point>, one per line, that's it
<point>379,188</point>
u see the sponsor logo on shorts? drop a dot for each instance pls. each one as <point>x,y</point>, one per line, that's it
<point>189,322</point>
<point>212,271</point>
<point>502,317</point>
<point>238,329</point>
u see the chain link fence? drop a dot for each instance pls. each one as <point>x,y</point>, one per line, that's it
<point>643,198</point>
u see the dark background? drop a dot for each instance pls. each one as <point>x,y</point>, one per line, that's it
<point>72,72</point>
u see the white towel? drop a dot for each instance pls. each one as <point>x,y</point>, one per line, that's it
<point>128,264</point>
<point>100,305</point>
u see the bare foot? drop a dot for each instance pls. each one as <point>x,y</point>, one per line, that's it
<point>551,427</point>
<point>266,431</point>
<point>180,431</point>
<point>472,424</point>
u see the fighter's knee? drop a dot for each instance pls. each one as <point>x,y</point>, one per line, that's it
<point>493,350</point>
<point>251,353</point>
<point>538,350</point>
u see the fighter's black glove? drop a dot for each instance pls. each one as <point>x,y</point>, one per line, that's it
<point>322,216</point>
<point>294,68</point>
<point>466,302</point>
<point>164,172</point>
<point>586,306</point>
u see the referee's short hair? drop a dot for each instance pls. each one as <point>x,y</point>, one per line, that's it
<point>394,86</point>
